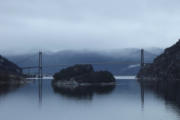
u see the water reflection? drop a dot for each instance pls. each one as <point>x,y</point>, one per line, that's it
<point>142,95</point>
<point>9,86</point>
<point>40,89</point>
<point>128,99</point>
<point>6,86</point>
<point>169,90</point>
<point>83,92</point>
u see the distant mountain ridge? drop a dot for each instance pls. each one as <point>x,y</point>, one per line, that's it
<point>77,57</point>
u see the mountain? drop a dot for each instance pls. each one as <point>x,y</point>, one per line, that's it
<point>165,66</point>
<point>8,70</point>
<point>129,59</point>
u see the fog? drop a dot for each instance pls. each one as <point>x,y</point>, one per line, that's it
<point>52,25</point>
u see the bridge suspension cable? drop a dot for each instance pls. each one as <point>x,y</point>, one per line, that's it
<point>97,63</point>
<point>39,66</point>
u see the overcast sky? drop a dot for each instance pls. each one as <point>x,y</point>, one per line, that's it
<point>88,24</point>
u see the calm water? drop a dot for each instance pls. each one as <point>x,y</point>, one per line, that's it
<point>125,101</point>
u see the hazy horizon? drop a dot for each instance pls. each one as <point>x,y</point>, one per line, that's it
<point>20,52</point>
<point>120,51</point>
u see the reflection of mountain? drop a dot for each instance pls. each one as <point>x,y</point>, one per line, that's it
<point>169,90</point>
<point>71,57</point>
<point>6,88</point>
<point>83,92</point>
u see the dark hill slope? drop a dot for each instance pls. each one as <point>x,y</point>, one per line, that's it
<point>8,70</point>
<point>165,66</point>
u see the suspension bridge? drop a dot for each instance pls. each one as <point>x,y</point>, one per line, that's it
<point>40,65</point>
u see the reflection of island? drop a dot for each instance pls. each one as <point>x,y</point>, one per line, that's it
<point>83,92</point>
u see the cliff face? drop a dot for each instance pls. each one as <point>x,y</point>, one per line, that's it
<point>8,70</point>
<point>165,66</point>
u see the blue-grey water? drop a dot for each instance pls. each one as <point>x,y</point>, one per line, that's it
<point>126,101</point>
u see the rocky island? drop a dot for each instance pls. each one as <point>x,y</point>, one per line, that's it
<point>164,67</point>
<point>9,72</point>
<point>81,81</point>
<point>82,75</point>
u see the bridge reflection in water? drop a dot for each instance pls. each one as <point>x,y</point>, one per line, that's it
<point>40,90</point>
<point>168,90</point>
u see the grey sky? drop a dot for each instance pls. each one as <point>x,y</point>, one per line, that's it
<point>88,24</point>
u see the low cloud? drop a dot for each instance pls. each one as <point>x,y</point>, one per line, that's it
<point>87,24</point>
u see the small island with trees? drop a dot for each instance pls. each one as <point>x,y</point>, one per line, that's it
<point>83,74</point>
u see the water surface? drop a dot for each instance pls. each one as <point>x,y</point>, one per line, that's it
<point>128,100</point>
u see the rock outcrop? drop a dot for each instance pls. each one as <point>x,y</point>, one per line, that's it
<point>165,66</point>
<point>82,74</point>
<point>9,71</point>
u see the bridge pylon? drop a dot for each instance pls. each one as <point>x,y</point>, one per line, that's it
<point>40,75</point>
<point>142,58</point>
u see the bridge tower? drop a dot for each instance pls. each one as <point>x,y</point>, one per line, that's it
<point>142,58</point>
<point>40,75</point>
<point>40,65</point>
